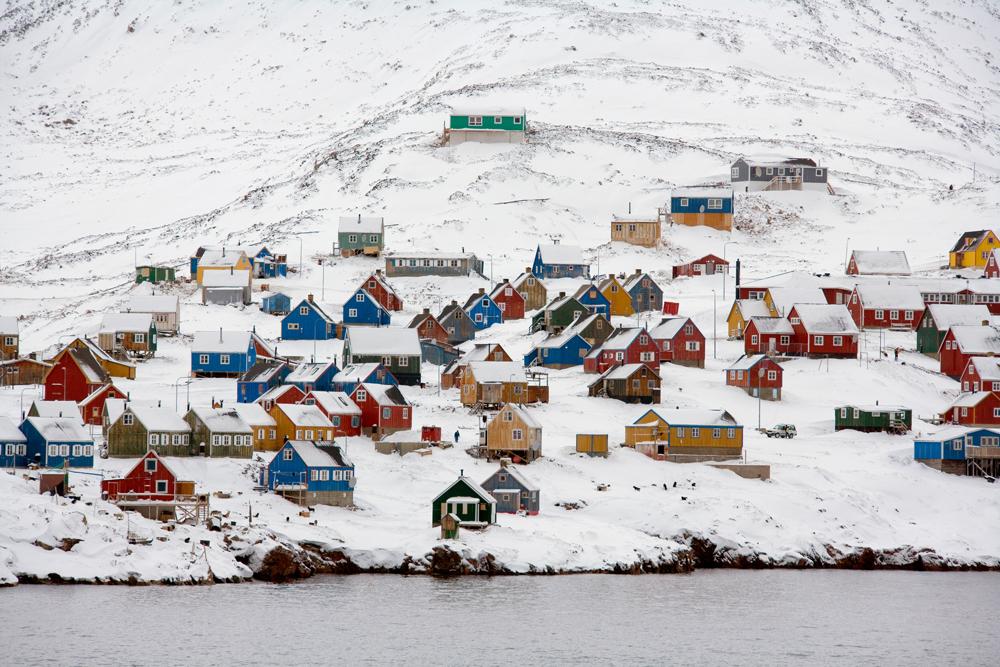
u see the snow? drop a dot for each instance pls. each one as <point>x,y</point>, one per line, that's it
<point>881,262</point>
<point>429,254</point>
<point>253,414</point>
<point>222,420</point>
<point>561,254</point>
<point>968,400</point>
<point>689,417</point>
<point>222,278</point>
<point>522,412</point>
<point>159,419</point>
<point>745,363</point>
<point>56,409</point>
<point>620,372</point>
<point>309,372</point>
<point>383,341</point>
<point>116,322</point>
<point>9,431</point>
<point>974,339</point>
<point>385,394</point>
<point>948,315</point>
<point>825,319</point>
<point>304,416</point>
<point>497,371</point>
<point>785,298</point>
<point>234,342</point>
<point>59,429</point>
<point>668,328</point>
<point>313,456</point>
<point>158,303</point>
<point>8,325</point>
<point>335,402</point>
<point>701,193</point>
<point>486,109</point>
<point>753,308</point>
<point>987,368</point>
<point>896,297</point>
<point>360,225</point>
<point>354,373</point>
<point>220,257</point>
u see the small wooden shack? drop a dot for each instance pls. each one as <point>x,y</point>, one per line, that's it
<point>593,444</point>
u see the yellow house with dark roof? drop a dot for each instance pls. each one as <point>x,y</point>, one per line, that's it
<point>621,301</point>
<point>973,249</point>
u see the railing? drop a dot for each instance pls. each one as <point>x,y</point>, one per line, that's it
<point>982,452</point>
<point>784,183</point>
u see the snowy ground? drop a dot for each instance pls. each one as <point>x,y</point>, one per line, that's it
<point>264,124</point>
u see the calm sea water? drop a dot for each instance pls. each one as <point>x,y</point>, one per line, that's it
<point>708,618</point>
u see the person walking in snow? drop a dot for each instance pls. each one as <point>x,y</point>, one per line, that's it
<point>456,436</point>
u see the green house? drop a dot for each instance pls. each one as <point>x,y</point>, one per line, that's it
<point>938,318</point>
<point>486,126</point>
<point>887,418</point>
<point>468,501</point>
<point>360,235</point>
<point>155,274</point>
<point>559,314</point>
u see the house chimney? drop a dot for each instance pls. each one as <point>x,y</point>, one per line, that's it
<point>527,269</point>
<point>359,222</point>
<point>230,270</point>
<point>504,462</point>
<point>461,473</point>
<point>223,251</point>
<point>630,208</point>
<point>309,298</point>
<point>378,272</point>
<point>482,290</point>
<point>737,273</point>
<point>427,311</point>
<point>454,303</point>
<point>562,294</point>
<point>159,404</point>
<point>638,272</point>
<point>220,334</point>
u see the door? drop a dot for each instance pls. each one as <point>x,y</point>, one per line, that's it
<point>771,347</point>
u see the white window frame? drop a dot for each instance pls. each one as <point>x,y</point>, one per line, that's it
<point>224,359</point>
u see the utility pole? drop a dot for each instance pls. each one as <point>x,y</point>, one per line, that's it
<point>715,336</point>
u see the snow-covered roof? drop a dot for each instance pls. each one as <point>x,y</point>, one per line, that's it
<point>153,303</point>
<point>361,224</point>
<point>253,414</point>
<point>948,315</point>
<point>701,193</point>
<point>881,262</point>
<point>497,371</point>
<point>50,409</point>
<point>60,429</point>
<point>274,393</point>
<point>668,328</point>
<point>430,254</point>
<point>404,436</point>
<point>901,297</point>
<point>310,372</point>
<point>335,402</point>
<point>221,279</point>
<point>954,431</point>
<point>970,240</point>
<point>558,253</point>
<point>221,341</point>
<point>97,353</point>
<point>635,277</point>
<point>383,340</point>
<point>385,394</point>
<point>487,110</point>
<point>622,372</point>
<point>114,407</point>
<point>826,318</point>
<point>752,308</point>
<point>987,368</point>
<point>8,326</point>
<point>972,339</point>
<point>320,457</point>
<point>220,256</point>
<point>648,218</point>
<point>262,371</point>
<point>746,362</point>
<point>517,475</point>
<point>521,412</point>
<point>158,419</point>
<point>480,352</point>
<point>115,322</point>
<point>304,415</point>
<point>691,417</point>
<point>355,372</point>
<point>479,490</point>
<point>222,420</point>
<point>9,432</point>
<point>622,338</point>
<point>964,400</point>
<point>784,298</point>
<point>778,161</point>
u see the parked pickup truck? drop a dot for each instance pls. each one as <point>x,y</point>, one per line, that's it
<point>781,431</point>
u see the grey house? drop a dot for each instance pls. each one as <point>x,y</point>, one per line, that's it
<point>415,264</point>
<point>512,490</point>
<point>776,174</point>
<point>457,323</point>
<point>645,294</point>
<point>226,287</point>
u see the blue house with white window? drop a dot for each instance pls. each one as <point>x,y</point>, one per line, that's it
<point>594,300</point>
<point>561,351</point>
<point>56,442</point>
<point>559,261</point>
<point>13,445</point>
<point>225,353</point>
<point>314,376</point>
<point>949,448</point>
<point>308,321</point>
<point>352,375</point>
<point>362,308</point>
<point>483,310</point>
<point>261,378</point>
<point>276,304</point>
<point>266,264</point>
<point>310,474</point>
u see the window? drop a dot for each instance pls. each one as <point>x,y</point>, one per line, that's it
<point>359,296</point>
<point>53,450</point>
<point>785,340</point>
<point>128,419</point>
<point>475,121</point>
<point>403,361</point>
<point>154,439</point>
<point>517,120</point>
<point>314,475</point>
<point>695,432</point>
<point>271,434</point>
<point>288,454</point>
<point>508,416</point>
<point>216,440</point>
<point>770,171</point>
<point>732,375</point>
<point>224,359</point>
<point>517,434</point>
<point>772,375</point>
<point>838,341</point>
<point>735,172</point>
<point>150,465</point>
<point>298,434</point>
<point>731,433</point>
<point>479,317</point>
<point>303,310</point>
<point>497,120</point>
<point>684,201</point>
<point>77,449</point>
<point>753,339</point>
<point>857,413</point>
<point>879,314</point>
<point>893,314</point>
<point>715,204</point>
<point>352,238</point>
<point>352,312</point>
<point>716,433</point>
<point>203,359</point>
<point>692,346</point>
<point>324,475</point>
<point>817,340</point>
<point>819,173</point>
<point>386,413</point>
<point>843,413</point>
<point>689,329</point>
<point>292,326</point>
<point>373,238</point>
<point>996,412</point>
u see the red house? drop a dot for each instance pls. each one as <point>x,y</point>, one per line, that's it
<point>768,335</point>
<point>981,408</point>
<point>382,291</point>
<point>74,376</point>
<point>836,294</point>
<point>384,409</point>
<point>823,330</point>
<point>511,301</point>
<point>339,409</point>
<point>757,375</point>
<point>149,479</point>
<point>679,341</point>
<point>886,307</point>
<point>706,266</point>
<point>963,342</point>
<point>92,407</point>
<point>992,265</point>
<point>286,394</point>
<point>981,374</point>
<point>624,346</point>
<point>427,326</point>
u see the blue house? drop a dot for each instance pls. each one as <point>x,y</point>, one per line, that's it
<point>269,265</point>
<point>55,442</point>
<point>313,376</point>
<point>226,353</point>
<point>645,294</point>
<point>483,310</point>
<point>950,448</point>
<point>594,301</point>
<point>308,321</point>
<point>559,261</point>
<point>561,351</point>
<point>13,445</point>
<point>310,474</point>
<point>348,379</point>
<point>438,353</point>
<point>276,304</point>
<point>362,308</point>
<point>259,379</point>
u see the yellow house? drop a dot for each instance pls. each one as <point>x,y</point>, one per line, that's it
<point>741,312</point>
<point>263,425</point>
<point>686,435</point>
<point>973,249</point>
<point>301,422</point>
<point>216,259</point>
<point>621,301</point>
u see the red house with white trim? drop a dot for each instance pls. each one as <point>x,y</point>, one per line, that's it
<point>886,306</point>
<point>339,409</point>
<point>74,376</point>
<point>981,408</point>
<point>285,394</point>
<point>992,269</point>
<point>92,407</point>
<point>823,330</point>
<point>149,479</point>
<point>380,290</point>
<point>680,341</point>
<point>757,375</point>
<point>963,342</point>
<point>624,346</point>
<point>981,374</point>
<point>428,326</point>
<point>384,409</point>
<point>510,301</point>
<point>768,335</point>
<point>704,266</point>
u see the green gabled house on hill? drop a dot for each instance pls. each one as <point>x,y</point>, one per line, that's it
<point>887,418</point>
<point>559,314</point>
<point>491,126</point>
<point>938,318</point>
<point>471,503</point>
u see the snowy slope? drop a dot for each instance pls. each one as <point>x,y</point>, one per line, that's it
<point>137,131</point>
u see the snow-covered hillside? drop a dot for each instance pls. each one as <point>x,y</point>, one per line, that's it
<point>135,132</point>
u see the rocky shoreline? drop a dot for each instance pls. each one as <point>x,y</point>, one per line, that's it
<point>288,562</point>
